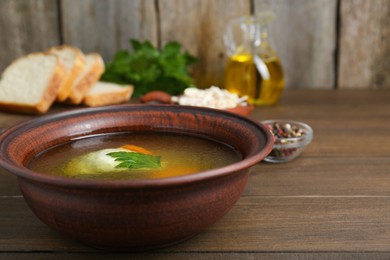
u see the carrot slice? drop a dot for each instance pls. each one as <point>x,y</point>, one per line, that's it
<point>135,148</point>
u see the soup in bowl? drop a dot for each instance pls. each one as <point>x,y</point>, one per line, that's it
<point>133,177</point>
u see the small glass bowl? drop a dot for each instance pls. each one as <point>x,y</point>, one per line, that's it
<point>287,149</point>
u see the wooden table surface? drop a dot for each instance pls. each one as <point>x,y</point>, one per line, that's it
<point>331,202</point>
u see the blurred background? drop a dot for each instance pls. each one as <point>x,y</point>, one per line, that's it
<point>324,44</point>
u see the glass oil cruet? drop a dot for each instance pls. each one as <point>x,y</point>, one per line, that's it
<point>253,68</point>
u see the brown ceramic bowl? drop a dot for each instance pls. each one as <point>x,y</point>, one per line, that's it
<point>133,214</point>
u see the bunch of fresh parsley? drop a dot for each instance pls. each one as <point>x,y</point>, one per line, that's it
<point>148,68</point>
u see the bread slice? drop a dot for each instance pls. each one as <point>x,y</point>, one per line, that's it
<point>30,84</point>
<point>74,61</point>
<point>93,70</point>
<point>105,93</point>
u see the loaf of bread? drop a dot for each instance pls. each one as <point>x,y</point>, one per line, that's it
<point>75,62</point>
<point>105,93</point>
<point>30,84</point>
<point>91,74</point>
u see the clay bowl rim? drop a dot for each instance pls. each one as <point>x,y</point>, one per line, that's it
<point>26,173</point>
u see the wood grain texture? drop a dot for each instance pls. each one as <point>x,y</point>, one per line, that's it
<point>345,110</point>
<point>304,36</point>
<point>205,256</point>
<point>8,184</point>
<point>364,44</point>
<point>106,26</point>
<point>199,25</point>
<point>26,26</point>
<point>299,224</point>
<point>330,203</point>
<point>255,224</point>
<point>324,176</point>
<point>345,123</point>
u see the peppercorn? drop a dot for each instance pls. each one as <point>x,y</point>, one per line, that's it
<point>281,134</point>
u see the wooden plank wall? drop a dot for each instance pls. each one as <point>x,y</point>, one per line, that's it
<point>364,43</point>
<point>322,43</point>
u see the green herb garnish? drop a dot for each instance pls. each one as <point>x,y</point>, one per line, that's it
<point>132,160</point>
<point>148,68</point>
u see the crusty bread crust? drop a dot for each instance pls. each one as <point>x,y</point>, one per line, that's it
<point>52,89</point>
<point>79,91</point>
<point>71,75</point>
<point>109,98</point>
<point>50,93</point>
<point>59,74</point>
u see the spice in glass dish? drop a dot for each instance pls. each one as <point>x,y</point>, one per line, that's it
<point>290,139</point>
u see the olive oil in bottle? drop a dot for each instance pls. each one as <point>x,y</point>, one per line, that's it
<point>253,68</point>
<point>262,80</point>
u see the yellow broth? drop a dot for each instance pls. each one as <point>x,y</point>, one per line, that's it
<point>180,155</point>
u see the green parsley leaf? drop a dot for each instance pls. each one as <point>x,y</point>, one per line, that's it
<point>148,68</point>
<point>132,160</point>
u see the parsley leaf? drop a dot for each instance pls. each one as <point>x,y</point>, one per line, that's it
<point>132,160</point>
<point>148,68</point>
